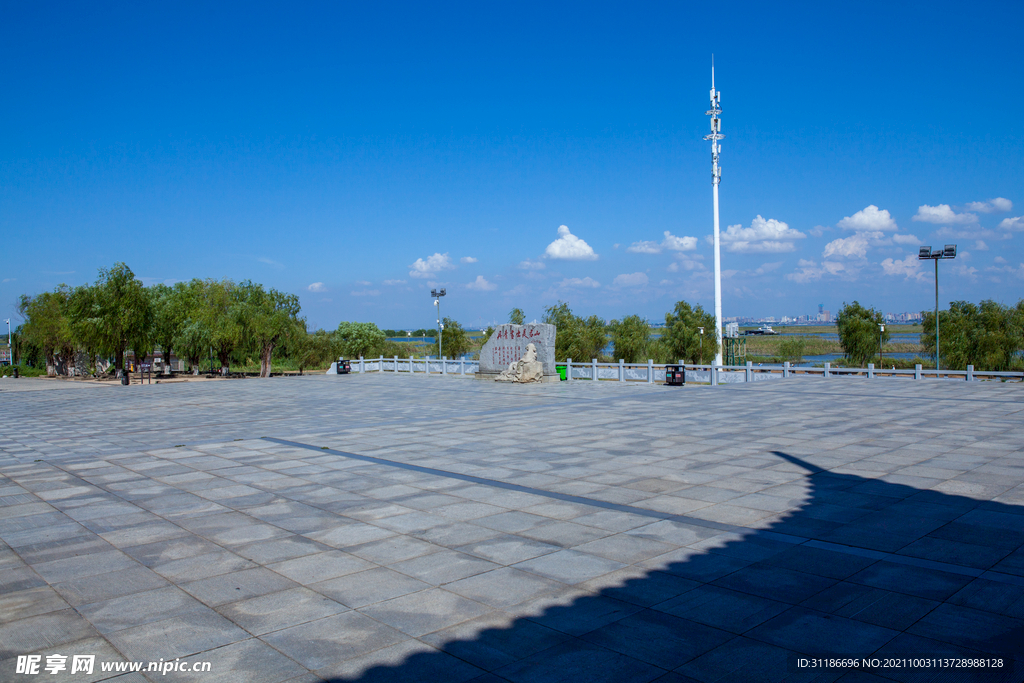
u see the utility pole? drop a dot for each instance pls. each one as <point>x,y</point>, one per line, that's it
<point>716,177</point>
<point>925,253</point>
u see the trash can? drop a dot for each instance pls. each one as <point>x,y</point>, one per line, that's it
<point>344,366</point>
<point>16,372</point>
<point>675,375</point>
<point>124,378</point>
<point>562,372</point>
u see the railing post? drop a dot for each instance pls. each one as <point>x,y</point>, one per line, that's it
<point>827,366</point>
<point>871,370</point>
<point>714,374</point>
<point>462,366</point>
<point>748,373</point>
<point>568,369</point>
<point>593,369</point>
<point>917,371</point>
<point>362,365</point>
<point>970,373</point>
<point>785,369</point>
<point>622,370</point>
<point>650,371</point>
<point>444,365</point>
<point>396,365</point>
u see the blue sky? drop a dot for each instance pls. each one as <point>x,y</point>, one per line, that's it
<point>359,154</point>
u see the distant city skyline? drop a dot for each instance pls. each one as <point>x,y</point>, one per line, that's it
<point>359,156</point>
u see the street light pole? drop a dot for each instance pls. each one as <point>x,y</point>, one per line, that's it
<point>881,331</point>
<point>10,345</point>
<point>925,253</point>
<point>701,329</point>
<point>437,294</point>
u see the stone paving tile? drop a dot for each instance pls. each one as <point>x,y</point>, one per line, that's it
<point>535,587</point>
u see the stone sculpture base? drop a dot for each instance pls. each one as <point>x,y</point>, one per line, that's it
<point>491,376</point>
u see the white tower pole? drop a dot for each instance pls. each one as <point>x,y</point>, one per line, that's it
<point>716,178</point>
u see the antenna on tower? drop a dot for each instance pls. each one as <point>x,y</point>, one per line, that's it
<point>715,113</point>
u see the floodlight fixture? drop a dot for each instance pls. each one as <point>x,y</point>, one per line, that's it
<point>926,253</point>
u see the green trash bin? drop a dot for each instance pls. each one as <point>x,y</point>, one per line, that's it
<point>562,372</point>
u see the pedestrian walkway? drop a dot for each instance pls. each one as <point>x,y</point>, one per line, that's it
<point>424,528</point>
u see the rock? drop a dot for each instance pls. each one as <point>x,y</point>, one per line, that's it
<point>509,343</point>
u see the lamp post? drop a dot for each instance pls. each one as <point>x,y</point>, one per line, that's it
<point>701,330</point>
<point>437,294</point>
<point>10,345</point>
<point>923,254</point>
<point>881,331</point>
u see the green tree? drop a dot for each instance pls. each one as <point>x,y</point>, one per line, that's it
<point>265,316</point>
<point>123,314</point>
<point>48,326</point>
<point>682,340</point>
<point>987,336</point>
<point>454,338</point>
<point>311,349</point>
<point>193,337</point>
<point>516,316</point>
<point>170,315</point>
<point>219,316</point>
<point>859,332</point>
<point>631,339</point>
<point>575,337</point>
<point>360,339</point>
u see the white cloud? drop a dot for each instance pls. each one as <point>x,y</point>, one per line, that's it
<point>481,284</point>
<point>673,243</point>
<point>869,219</point>
<point>432,266</point>
<point>818,231</point>
<point>943,214</point>
<point>317,287</point>
<point>363,283</point>
<point>991,206</point>
<point>269,262</point>
<point>964,270</point>
<point>997,259</point>
<point>570,247</point>
<point>366,292</point>
<point>394,282</point>
<point>765,268</point>
<point>579,282</point>
<point>630,280</point>
<point>467,259</point>
<point>665,282</point>
<point>531,265</point>
<point>644,247</point>
<point>810,271</point>
<point>10,279</point>
<point>1012,223</point>
<point>686,262</point>
<point>763,235</point>
<point>904,238</point>
<point>909,267</point>
<point>854,246</point>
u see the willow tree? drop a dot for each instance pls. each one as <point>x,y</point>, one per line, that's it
<point>48,326</point>
<point>682,339</point>
<point>860,332</point>
<point>265,317</point>
<point>631,339</point>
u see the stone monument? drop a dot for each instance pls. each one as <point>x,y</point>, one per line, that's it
<point>508,344</point>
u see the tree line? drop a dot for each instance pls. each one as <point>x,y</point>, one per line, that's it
<point>218,319</point>
<point>989,335</point>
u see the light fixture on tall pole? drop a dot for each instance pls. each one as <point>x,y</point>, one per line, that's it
<point>925,253</point>
<point>10,345</point>
<point>716,177</point>
<point>437,294</point>
<point>701,330</point>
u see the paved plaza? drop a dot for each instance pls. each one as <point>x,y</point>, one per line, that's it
<point>412,528</point>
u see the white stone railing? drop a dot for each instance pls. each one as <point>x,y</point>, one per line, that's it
<point>652,372</point>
